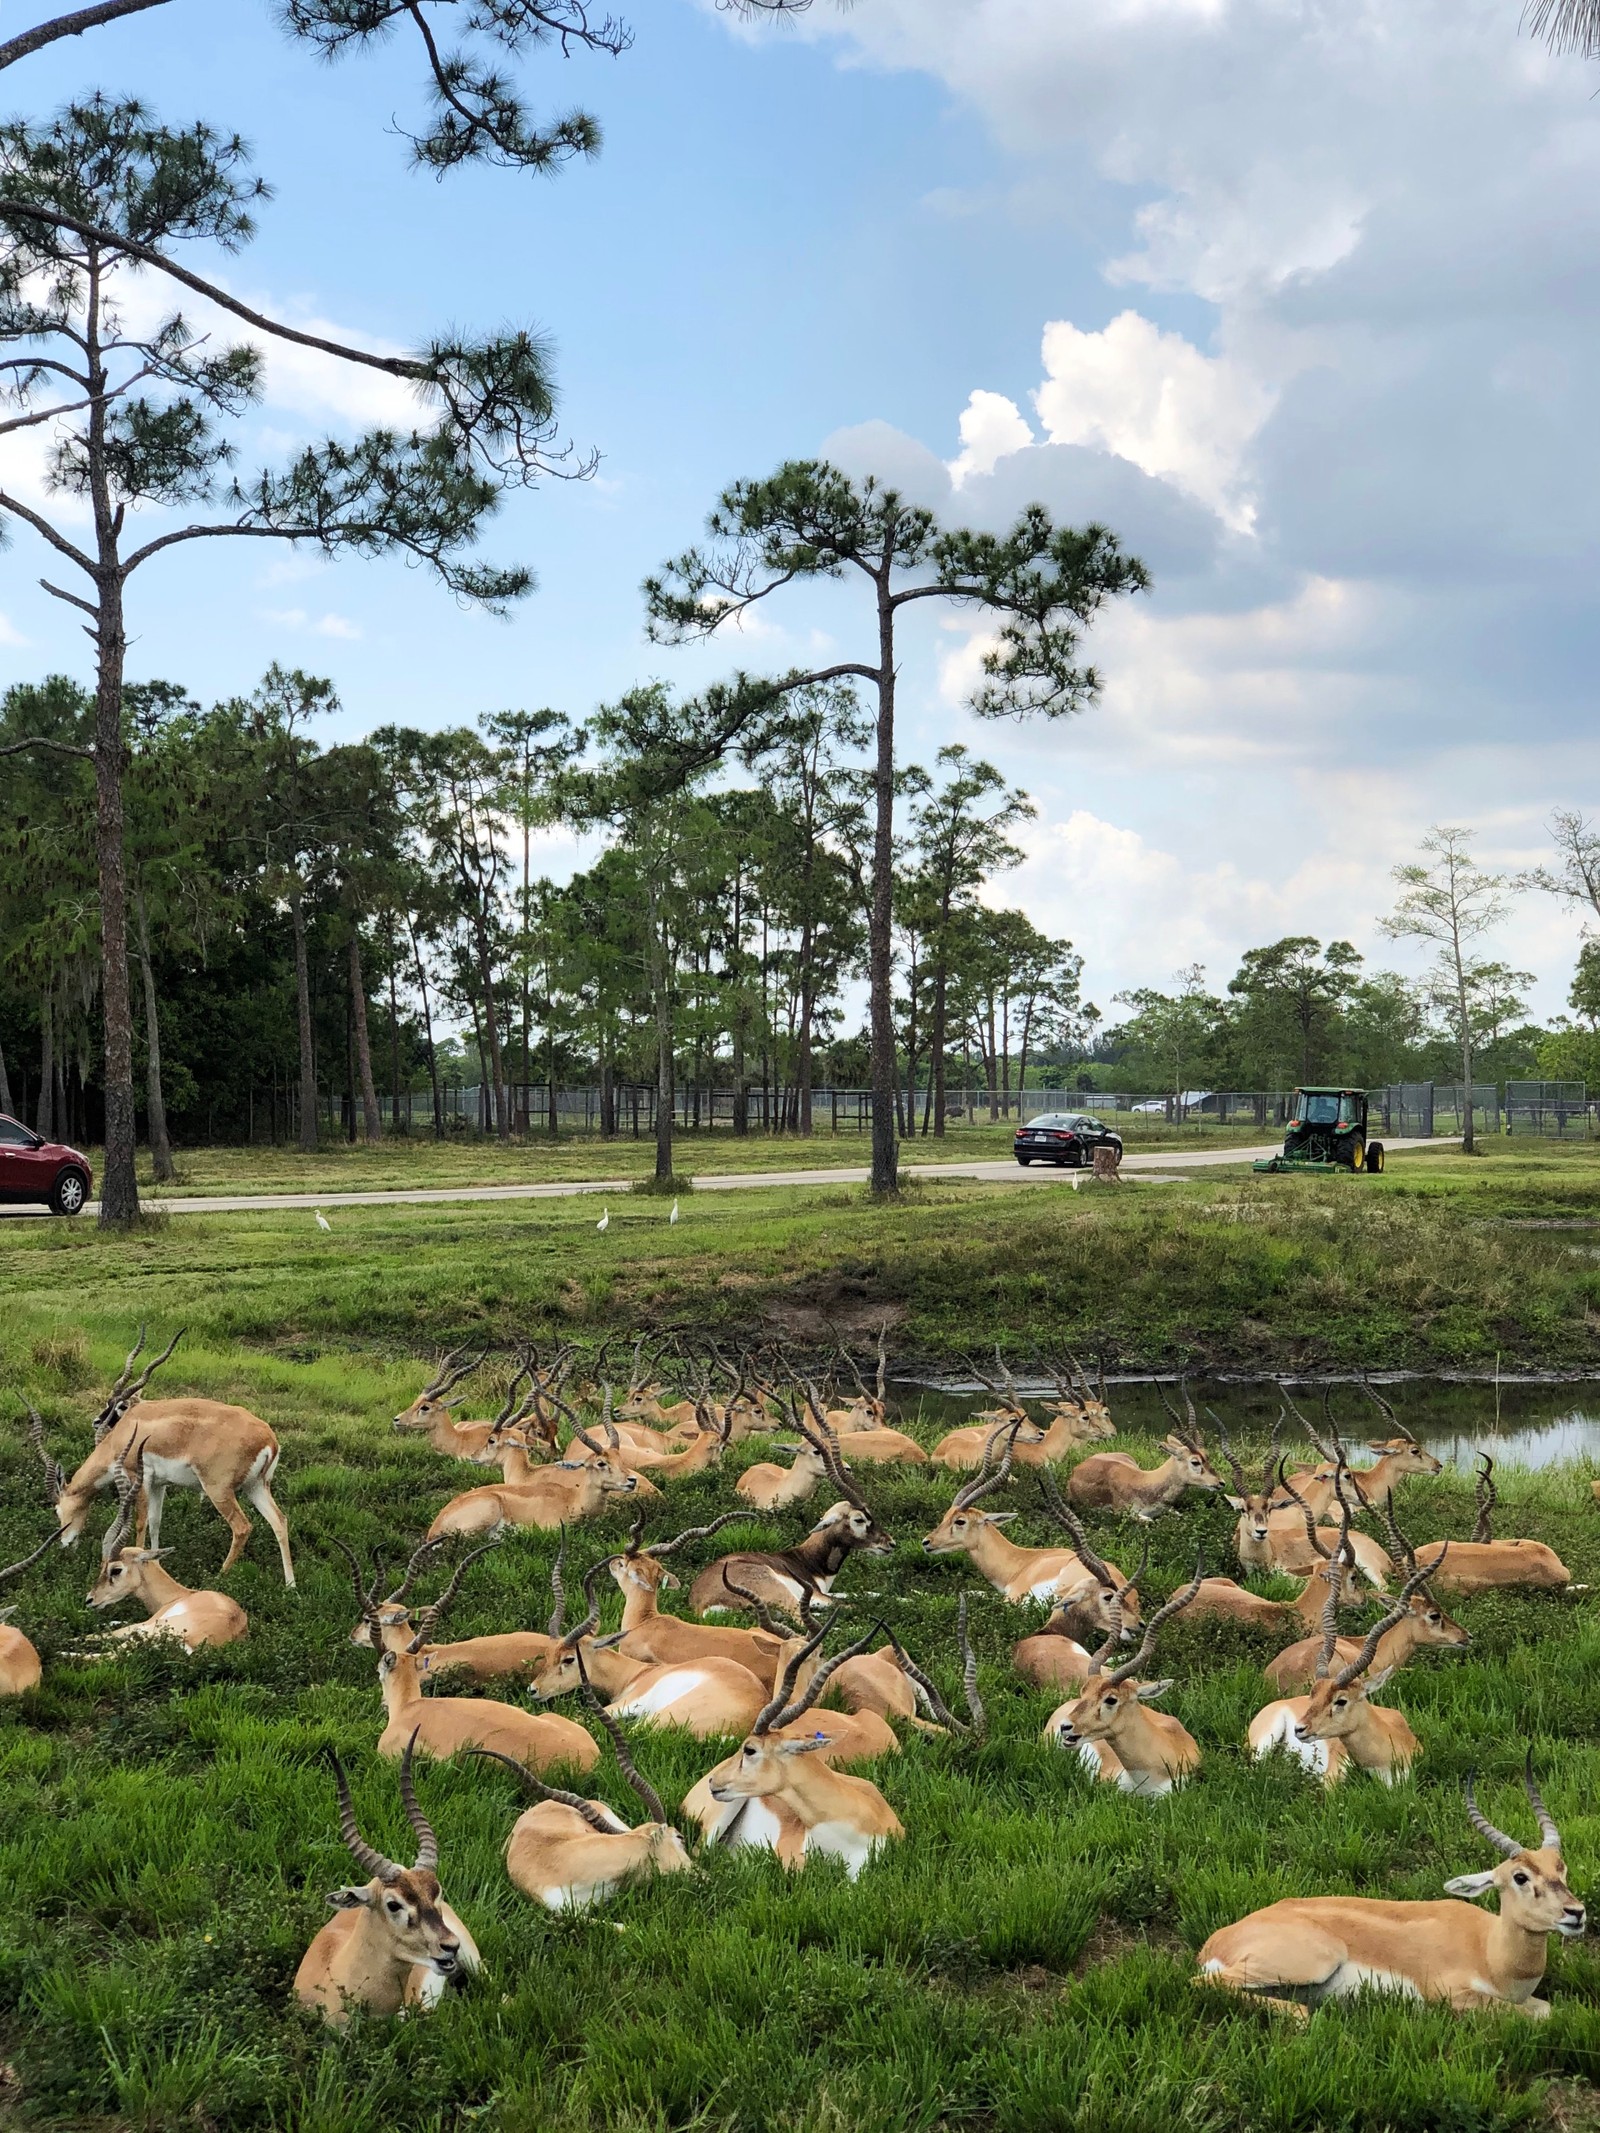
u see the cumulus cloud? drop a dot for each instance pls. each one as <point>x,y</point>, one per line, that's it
<point>326,625</point>
<point>992,427</point>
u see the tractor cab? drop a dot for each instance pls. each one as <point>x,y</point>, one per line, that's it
<point>1327,1130</point>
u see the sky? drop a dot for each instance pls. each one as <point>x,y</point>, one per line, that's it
<point>1298,296</point>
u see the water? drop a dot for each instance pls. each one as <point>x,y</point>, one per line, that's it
<point>1525,1424</point>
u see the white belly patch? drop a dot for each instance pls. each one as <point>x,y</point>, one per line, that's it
<point>837,1840</point>
<point>661,1695</point>
<point>1312,1755</point>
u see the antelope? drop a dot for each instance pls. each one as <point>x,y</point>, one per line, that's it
<point>1140,1751</point>
<point>1424,1625</point>
<point>429,1413</point>
<point>395,1944</point>
<point>803,1807</point>
<point>1224,1599</point>
<point>642,1576</point>
<point>570,1854</point>
<point>1297,1554</point>
<point>702,1451</point>
<point>766,1486</point>
<point>871,1687</point>
<point>20,1668</point>
<point>1307,1949</point>
<point>552,1496</point>
<point>444,1725</point>
<point>784,1578</point>
<point>1114,1481</point>
<point>175,1611</point>
<point>1055,1656</point>
<point>708,1696</point>
<point>387,1623</point>
<point>1483,1564</point>
<point>1397,1457</point>
<point>1336,1725</point>
<point>225,1452</point>
<point>1020,1574</point>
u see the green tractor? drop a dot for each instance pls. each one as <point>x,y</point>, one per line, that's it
<point>1327,1131</point>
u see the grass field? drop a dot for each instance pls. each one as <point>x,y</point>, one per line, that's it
<point>1023,1960</point>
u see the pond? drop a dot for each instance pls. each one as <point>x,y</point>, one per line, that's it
<point>1523,1422</point>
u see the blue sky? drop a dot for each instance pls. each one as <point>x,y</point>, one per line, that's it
<point>1299,296</point>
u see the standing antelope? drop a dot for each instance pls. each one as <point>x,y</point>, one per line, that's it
<point>1021,1574</point>
<point>1484,1564</point>
<point>444,1725</point>
<point>647,1634</point>
<point>1336,1725</point>
<point>1138,1750</point>
<point>805,1808</point>
<point>396,1943</point>
<point>1307,1949</point>
<point>386,1623</point>
<point>225,1452</point>
<point>1424,1625</point>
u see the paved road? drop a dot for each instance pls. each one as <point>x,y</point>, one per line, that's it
<point>1003,1172</point>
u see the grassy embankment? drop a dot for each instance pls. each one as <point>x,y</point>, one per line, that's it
<point>1023,1960</point>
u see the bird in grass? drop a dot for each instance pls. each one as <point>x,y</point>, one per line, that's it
<point>604,1222</point>
<point>323,1222</point>
<point>674,1214</point>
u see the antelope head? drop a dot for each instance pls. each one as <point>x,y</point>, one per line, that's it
<point>431,1402</point>
<point>382,1622</point>
<point>403,1903</point>
<point>764,1761</point>
<point>642,1566</point>
<point>1334,1707</point>
<point>1252,1505</point>
<point>1533,1883</point>
<point>1099,1603</point>
<point>959,1529</point>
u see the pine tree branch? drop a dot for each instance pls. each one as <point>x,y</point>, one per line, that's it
<point>27,42</point>
<point>39,740</point>
<point>56,592</point>
<point>46,531</point>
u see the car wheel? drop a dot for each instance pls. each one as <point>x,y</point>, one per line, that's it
<point>69,1193</point>
<point>1024,1160</point>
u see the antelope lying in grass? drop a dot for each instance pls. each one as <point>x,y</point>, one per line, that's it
<point>445,1725</point>
<point>570,1854</point>
<point>515,1652</point>
<point>1423,1626</point>
<point>20,1669</point>
<point>429,1414</point>
<point>1308,1949</point>
<point>1398,1457</point>
<point>1294,1544</point>
<point>766,1486</point>
<point>702,1451</point>
<point>1056,1656</point>
<point>175,1611</point>
<point>1020,1574</point>
<point>1336,1725</point>
<point>1228,1601</point>
<point>396,1944</point>
<point>867,1689</point>
<point>647,1634</point>
<point>710,1697</point>
<point>548,1497</point>
<point>1484,1564</point>
<point>1124,1744</point>
<point>225,1452</point>
<point>1112,1481</point>
<point>779,1792</point>
<point>784,1578</point>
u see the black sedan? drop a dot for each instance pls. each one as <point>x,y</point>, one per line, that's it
<point>1063,1137</point>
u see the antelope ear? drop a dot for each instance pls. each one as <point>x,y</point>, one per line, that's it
<point>1377,1680</point>
<point>802,1747</point>
<point>1147,1691</point>
<point>668,1582</point>
<point>460,1400</point>
<point>1379,1444</point>
<point>1470,1885</point>
<point>1000,1518</point>
<point>1235,1503</point>
<point>351,1899</point>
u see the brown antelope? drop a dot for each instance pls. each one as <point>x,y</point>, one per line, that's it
<point>766,1486</point>
<point>1336,1725</point>
<point>1484,1564</point>
<point>1056,1656</point>
<point>1423,1626</point>
<point>1021,1574</point>
<point>444,1725</point>
<point>1398,1457</point>
<point>1225,1600</point>
<point>1113,1481</point>
<point>785,1577</point>
<point>1294,1545</point>
<point>225,1452</point>
<point>708,1697</point>
<point>510,1652</point>
<point>395,1944</point>
<point>803,1807</point>
<point>429,1414</point>
<point>1307,1949</point>
<point>660,1639</point>
<point>570,1854</point>
<point>552,1496</point>
<point>1114,1734</point>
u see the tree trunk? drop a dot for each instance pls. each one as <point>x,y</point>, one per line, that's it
<point>45,1117</point>
<point>880,935</point>
<point>662,1004</point>
<point>5,1086</point>
<point>302,1002</point>
<point>991,1067</point>
<point>608,1092</point>
<point>371,1116</point>
<point>941,1010</point>
<point>394,1042</point>
<point>119,1186</point>
<point>1468,1146</point>
<point>155,1099</point>
<point>491,1023</point>
<point>427,1026</point>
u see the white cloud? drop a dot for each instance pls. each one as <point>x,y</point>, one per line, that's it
<point>992,427</point>
<point>10,634</point>
<point>297,618</point>
<point>1156,399</point>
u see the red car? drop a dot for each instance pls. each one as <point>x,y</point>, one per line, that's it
<point>45,1172</point>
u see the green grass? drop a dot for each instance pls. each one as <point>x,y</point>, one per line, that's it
<point>1023,1960</point>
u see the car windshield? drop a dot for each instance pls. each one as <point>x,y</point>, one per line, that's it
<point>1047,1119</point>
<point>1320,1110</point>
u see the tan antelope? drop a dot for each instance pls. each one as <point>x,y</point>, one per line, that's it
<point>1076,1418</point>
<point>1020,1574</point>
<point>1294,1547</point>
<point>1305,1950</point>
<point>1484,1564</point>
<point>570,1854</point>
<point>871,1687</point>
<point>1336,1725</point>
<point>785,1577</point>
<point>766,1486</point>
<point>709,1697</point>
<point>1225,1600</point>
<point>515,1652</point>
<point>225,1452</point>
<point>395,1944</point>
<point>642,1575</point>
<point>444,1725</point>
<point>1398,1457</point>
<point>430,1413</point>
<point>1056,1656</point>
<point>20,1668</point>
<point>1110,1727</point>
<point>780,1794</point>
<point>700,1452</point>
<point>1114,1481</point>
<point>190,1618</point>
<point>1424,1626</point>
<point>549,1497</point>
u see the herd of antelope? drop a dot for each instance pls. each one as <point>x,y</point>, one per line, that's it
<point>799,1717</point>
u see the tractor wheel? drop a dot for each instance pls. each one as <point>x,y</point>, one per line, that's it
<point>1374,1155</point>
